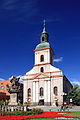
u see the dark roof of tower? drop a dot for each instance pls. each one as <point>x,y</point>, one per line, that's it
<point>43,45</point>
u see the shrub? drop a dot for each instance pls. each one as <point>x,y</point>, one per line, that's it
<point>32,112</point>
<point>36,111</point>
<point>1,102</point>
<point>68,106</point>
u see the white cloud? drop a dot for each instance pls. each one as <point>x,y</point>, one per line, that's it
<point>8,4</point>
<point>11,77</point>
<point>75,82</point>
<point>21,6</point>
<point>22,9</point>
<point>1,79</point>
<point>52,20</point>
<point>20,80</point>
<point>58,59</point>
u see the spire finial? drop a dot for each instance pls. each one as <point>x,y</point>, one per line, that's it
<point>44,22</point>
<point>44,27</point>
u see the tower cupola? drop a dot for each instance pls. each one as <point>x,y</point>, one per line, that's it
<point>43,51</point>
<point>44,34</point>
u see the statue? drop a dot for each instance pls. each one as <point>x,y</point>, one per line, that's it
<point>14,85</point>
<point>15,90</point>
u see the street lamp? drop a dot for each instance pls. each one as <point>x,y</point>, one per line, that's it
<point>71,101</point>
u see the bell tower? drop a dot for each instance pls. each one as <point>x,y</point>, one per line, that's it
<point>43,52</point>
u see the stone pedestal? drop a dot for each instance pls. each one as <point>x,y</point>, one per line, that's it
<point>13,99</point>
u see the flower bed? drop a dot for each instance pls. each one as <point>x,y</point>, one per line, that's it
<point>43,115</point>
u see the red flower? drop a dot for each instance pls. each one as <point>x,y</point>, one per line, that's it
<point>43,115</point>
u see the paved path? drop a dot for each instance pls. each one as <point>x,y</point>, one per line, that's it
<point>47,108</point>
<point>75,108</point>
<point>54,108</point>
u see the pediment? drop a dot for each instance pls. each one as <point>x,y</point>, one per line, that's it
<point>41,75</point>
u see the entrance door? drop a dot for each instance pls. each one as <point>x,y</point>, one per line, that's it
<point>41,102</point>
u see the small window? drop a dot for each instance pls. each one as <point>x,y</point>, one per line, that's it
<point>2,87</point>
<point>29,92</point>
<point>41,58</point>
<point>1,83</point>
<point>42,69</point>
<point>42,38</point>
<point>55,91</point>
<point>41,91</point>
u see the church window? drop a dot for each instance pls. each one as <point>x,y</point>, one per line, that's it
<point>41,58</point>
<point>41,91</point>
<point>29,92</point>
<point>1,83</point>
<point>2,87</point>
<point>42,69</point>
<point>42,38</point>
<point>55,90</point>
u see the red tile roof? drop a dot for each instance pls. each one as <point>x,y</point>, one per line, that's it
<point>3,88</point>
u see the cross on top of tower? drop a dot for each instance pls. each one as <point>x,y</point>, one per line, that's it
<point>44,22</point>
<point>44,26</point>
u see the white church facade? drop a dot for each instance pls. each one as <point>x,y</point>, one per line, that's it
<point>45,84</point>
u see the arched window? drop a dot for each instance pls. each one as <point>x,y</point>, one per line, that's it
<point>41,91</point>
<point>55,90</point>
<point>42,69</point>
<point>42,38</point>
<point>29,92</point>
<point>41,58</point>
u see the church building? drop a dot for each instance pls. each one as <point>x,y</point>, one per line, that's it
<point>45,84</point>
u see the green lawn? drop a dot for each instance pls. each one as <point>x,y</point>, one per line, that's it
<point>73,114</point>
<point>43,119</point>
<point>52,119</point>
<point>68,114</point>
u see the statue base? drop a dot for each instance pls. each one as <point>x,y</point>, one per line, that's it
<point>13,99</point>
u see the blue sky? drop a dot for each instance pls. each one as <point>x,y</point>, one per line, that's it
<point>21,22</point>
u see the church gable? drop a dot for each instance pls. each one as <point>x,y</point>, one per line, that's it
<point>41,75</point>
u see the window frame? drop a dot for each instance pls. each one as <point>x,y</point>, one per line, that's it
<point>55,90</point>
<point>29,92</point>
<point>41,69</point>
<point>42,58</point>
<point>41,91</point>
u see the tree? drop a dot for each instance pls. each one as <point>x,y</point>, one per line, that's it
<point>74,94</point>
<point>1,102</point>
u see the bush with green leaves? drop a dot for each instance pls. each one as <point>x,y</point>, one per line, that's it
<point>2,102</point>
<point>31,112</point>
<point>36,111</point>
<point>68,106</point>
<point>74,94</point>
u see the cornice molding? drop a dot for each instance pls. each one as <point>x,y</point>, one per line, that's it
<point>41,49</point>
<point>41,64</point>
<point>45,77</point>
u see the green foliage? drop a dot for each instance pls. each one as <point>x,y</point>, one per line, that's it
<point>36,111</point>
<point>68,106</point>
<point>51,119</point>
<point>31,112</point>
<point>73,114</point>
<point>74,94</point>
<point>2,102</point>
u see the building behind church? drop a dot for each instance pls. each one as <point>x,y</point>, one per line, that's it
<point>4,94</point>
<point>45,84</point>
